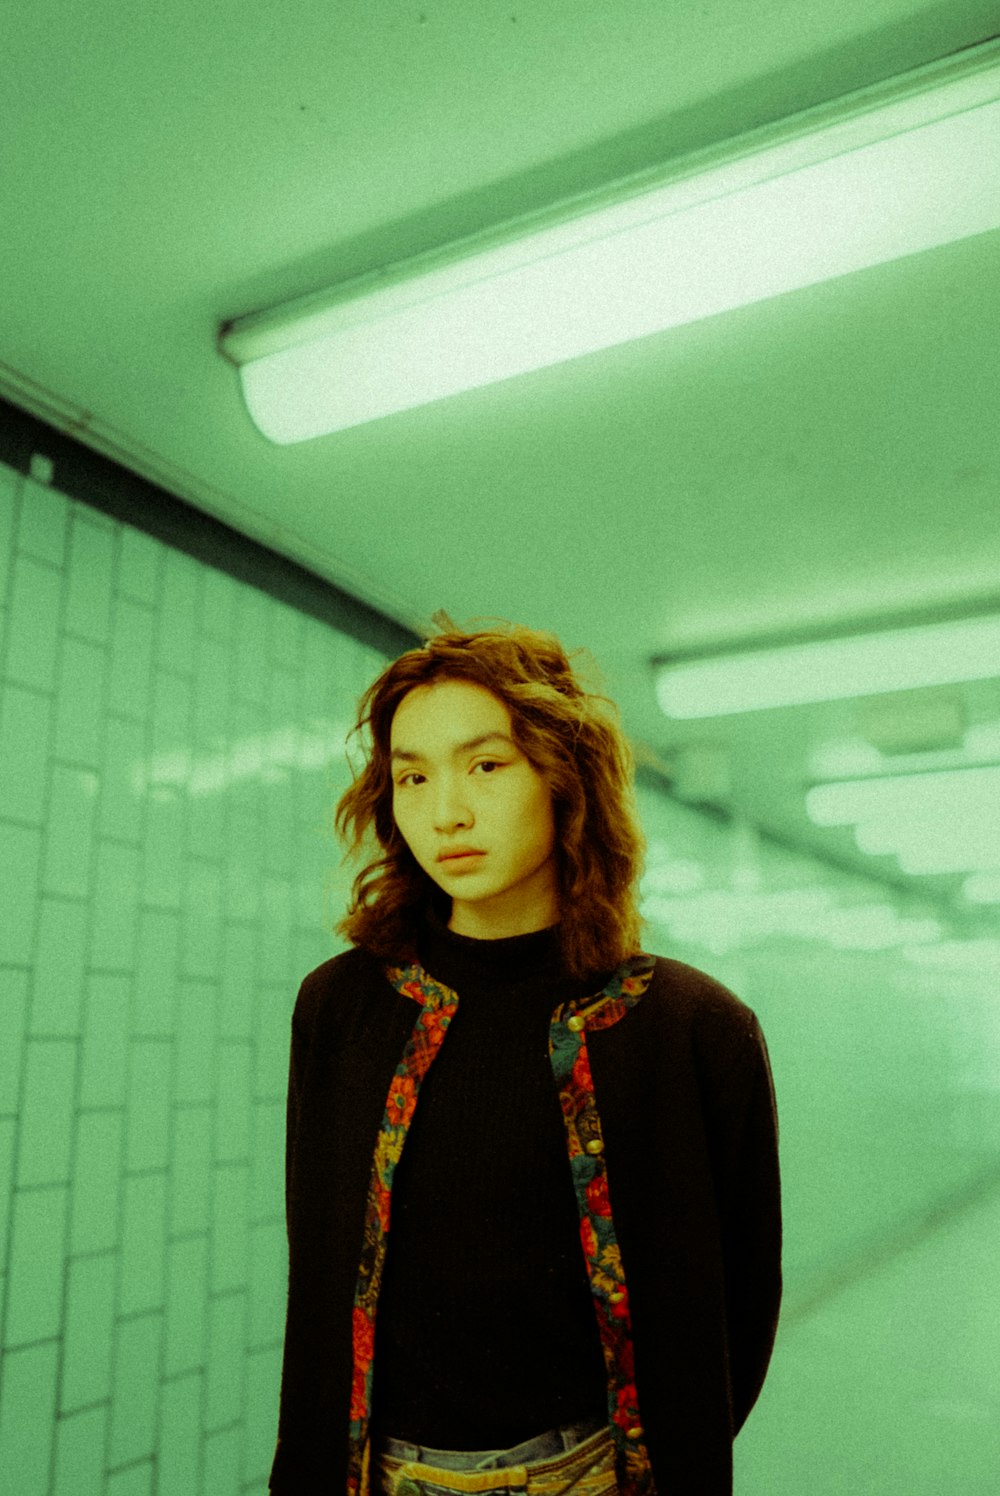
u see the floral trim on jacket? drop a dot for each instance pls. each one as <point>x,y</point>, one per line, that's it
<point>585,1139</point>
<point>585,1147</point>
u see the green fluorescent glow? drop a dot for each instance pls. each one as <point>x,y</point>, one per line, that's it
<point>941,822</point>
<point>958,857</point>
<point>832,669</point>
<point>953,794</point>
<point>982,888</point>
<point>878,182</point>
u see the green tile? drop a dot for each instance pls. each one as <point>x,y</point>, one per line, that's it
<point>268,1277</point>
<point>35,1289</point>
<point>80,1441</point>
<point>287,635</point>
<point>14,985</point>
<point>10,482</point>
<point>20,872</point>
<point>57,980</point>
<point>275,945</point>
<point>97,1173</point>
<point>33,625</point>
<point>202,940</point>
<point>47,1112</point>
<point>179,1454</point>
<point>140,565</point>
<point>91,569</point>
<point>222,1461</point>
<point>244,758</point>
<point>267,1155</point>
<point>27,1404</point>
<point>175,642</point>
<point>263,1379</point>
<point>69,845</point>
<point>227,1335</point>
<point>155,1010</point>
<point>252,640</point>
<point>80,710</point>
<point>212,694</point>
<point>207,814</point>
<point>130,684</point>
<point>282,704</point>
<point>122,803</point>
<point>217,604</point>
<point>105,1040</point>
<point>89,1331</point>
<point>162,862</point>
<point>239,960</point>
<point>243,872</point>
<point>148,1128</point>
<point>229,1266</point>
<point>134,1398</point>
<point>133,1480</point>
<point>232,1116</point>
<point>272,1016</point>
<point>25,735</point>
<point>196,1041</point>
<point>116,912</point>
<point>144,1207</point>
<point>43,522</point>
<point>187,1303</point>
<point>190,1173</point>
<point>278,803</point>
<point>170,740</point>
<point>8,1138</point>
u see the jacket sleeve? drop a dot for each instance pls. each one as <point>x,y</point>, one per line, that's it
<point>749,1195</point>
<point>296,1059</point>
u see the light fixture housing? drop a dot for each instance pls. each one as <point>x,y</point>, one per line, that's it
<point>885,172</point>
<point>860,664</point>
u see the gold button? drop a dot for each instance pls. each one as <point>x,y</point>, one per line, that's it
<point>595,1146</point>
<point>634,1433</point>
<point>616,1297</point>
<point>576,1023</point>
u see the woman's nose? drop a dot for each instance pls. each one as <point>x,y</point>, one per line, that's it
<point>450,808</point>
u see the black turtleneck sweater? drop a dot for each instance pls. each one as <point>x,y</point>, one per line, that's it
<point>486,1332</point>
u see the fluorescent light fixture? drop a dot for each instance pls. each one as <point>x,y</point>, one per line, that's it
<point>884,173</point>
<point>946,793</point>
<point>831,669</point>
<point>946,821</point>
<point>982,888</point>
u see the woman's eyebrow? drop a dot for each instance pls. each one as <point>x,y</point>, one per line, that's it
<point>405,755</point>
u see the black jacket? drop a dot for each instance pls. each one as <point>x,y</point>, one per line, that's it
<point>669,1104</point>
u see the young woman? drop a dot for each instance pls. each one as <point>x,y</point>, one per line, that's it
<point>532,1173</point>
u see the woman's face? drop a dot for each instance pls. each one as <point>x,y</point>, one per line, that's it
<point>461,785</point>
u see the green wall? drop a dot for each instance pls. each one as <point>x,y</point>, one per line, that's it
<point>170,743</point>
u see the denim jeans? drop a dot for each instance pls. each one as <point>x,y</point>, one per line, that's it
<point>577,1458</point>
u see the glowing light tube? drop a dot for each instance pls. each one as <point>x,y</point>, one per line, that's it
<point>832,669</point>
<point>885,173</point>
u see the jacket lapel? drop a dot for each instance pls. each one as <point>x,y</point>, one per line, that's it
<point>436,1005</point>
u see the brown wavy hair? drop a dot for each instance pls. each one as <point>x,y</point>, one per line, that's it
<point>573,738</point>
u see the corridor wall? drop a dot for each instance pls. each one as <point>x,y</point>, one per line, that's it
<point>171,741</point>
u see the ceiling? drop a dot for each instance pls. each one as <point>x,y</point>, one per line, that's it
<point>825,458</point>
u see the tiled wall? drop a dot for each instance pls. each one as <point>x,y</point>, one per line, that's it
<point>171,744</point>
<point>881,1022</point>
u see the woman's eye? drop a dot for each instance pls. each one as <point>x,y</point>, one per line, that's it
<point>413,776</point>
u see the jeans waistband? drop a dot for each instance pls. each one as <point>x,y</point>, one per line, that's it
<point>552,1442</point>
